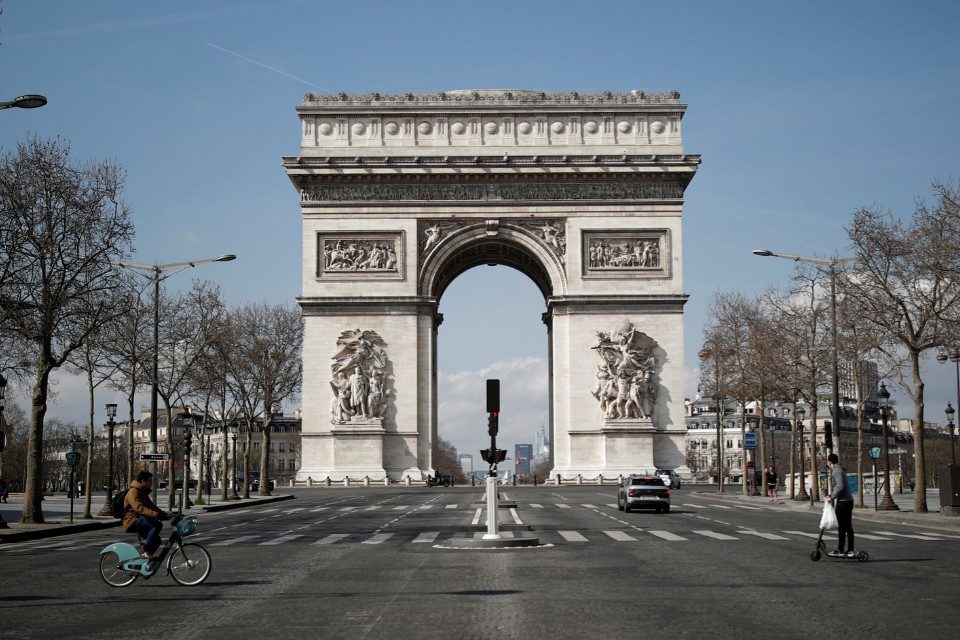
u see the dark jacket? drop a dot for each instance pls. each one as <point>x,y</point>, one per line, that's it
<point>137,503</point>
<point>841,489</point>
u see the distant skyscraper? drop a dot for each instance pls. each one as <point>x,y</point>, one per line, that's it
<point>466,462</point>
<point>522,454</point>
<point>542,442</point>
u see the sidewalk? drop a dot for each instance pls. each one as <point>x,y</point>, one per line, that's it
<point>930,520</point>
<point>56,510</point>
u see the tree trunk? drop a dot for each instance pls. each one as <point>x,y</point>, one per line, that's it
<point>859,445</point>
<point>920,477</point>
<point>226,457</point>
<point>248,441</point>
<point>814,469</point>
<point>33,492</point>
<point>793,450</point>
<point>743,450</point>
<point>264,489</point>
<point>88,475</point>
<point>763,449</point>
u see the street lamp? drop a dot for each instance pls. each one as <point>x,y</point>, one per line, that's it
<point>233,435</point>
<point>953,455</point>
<point>28,101</point>
<point>3,440</point>
<point>802,493</point>
<point>717,353</point>
<point>156,270</point>
<point>831,264</point>
<point>107,508</point>
<point>186,435</point>
<point>954,356</point>
<point>887,504</point>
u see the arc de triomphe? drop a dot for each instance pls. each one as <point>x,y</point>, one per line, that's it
<point>401,194</point>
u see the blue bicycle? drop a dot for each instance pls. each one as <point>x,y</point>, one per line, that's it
<point>188,564</point>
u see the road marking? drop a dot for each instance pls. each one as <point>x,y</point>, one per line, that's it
<point>613,505</point>
<point>907,535</point>
<point>315,509</point>
<point>620,536</point>
<point>295,510</point>
<point>224,543</point>
<point>714,535</point>
<point>536,506</point>
<point>695,506</point>
<point>762,534</point>
<point>268,510</point>
<point>426,506</point>
<point>937,534</point>
<point>347,508</point>
<point>666,535</point>
<point>572,536</point>
<point>564,506</point>
<point>427,536</point>
<point>333,537</point>
<point>558,495</point>
<point>867,536</point>
<point>402,507</point>
<point>451,506</point>
<point>589,506</point>
<point>807,533</point>
<point>743,506</point>
<point>516,518</point>
<point>236,513</point>
<point>372,507</point>
<point>281,539</point>
<point>720,506</point>
<point>377,538</point>
<point>476,516</point>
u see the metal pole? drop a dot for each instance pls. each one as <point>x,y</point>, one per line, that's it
<point>953,454</point>
<point>874,485</point>
<point>156,368</point>
<point>887,504</point>
<point>836,365</point>
<point>719,423</point>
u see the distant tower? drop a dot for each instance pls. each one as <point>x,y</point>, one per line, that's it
<point>466,463</point>
<point>522,454</point>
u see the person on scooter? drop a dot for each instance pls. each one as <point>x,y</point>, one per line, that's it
<point>141,515</point>
<point>843,503</point>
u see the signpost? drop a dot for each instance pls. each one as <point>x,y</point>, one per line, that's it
<point>750,440</point>
<point>73,459</point>
<point>874,453</point>
<point>155,456</point>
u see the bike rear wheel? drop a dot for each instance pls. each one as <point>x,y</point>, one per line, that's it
<point>112,572</point>
<point>189,564</point>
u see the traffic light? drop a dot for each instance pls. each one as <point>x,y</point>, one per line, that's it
<point>493,396</point>
<point>828,434</point>
<point>498,457</point>
<point>493,424</point>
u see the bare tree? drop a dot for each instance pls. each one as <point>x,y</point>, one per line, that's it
<point>63,229</point>
<point>907,283</point>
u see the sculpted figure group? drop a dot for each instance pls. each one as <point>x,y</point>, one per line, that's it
<point>359,255</point>
<point>606,254</point>
<point>625,385</point>
<point>358,375</point>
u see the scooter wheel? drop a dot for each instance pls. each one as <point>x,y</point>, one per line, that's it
<point>815,555</point>
<point>863,557</point>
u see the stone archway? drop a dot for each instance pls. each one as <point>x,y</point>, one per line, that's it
<point>400,195</point>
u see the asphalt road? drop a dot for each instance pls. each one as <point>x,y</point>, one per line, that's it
<point>364,563</point>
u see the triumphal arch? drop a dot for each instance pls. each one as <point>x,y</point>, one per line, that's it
<point>583,193</point>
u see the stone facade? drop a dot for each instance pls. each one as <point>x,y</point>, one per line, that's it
<point>582,193</point>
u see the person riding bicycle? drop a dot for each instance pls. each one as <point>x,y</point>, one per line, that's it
<point>141,515</point>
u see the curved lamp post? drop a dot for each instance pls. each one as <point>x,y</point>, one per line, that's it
<point>716,353</point>
<point>3,439</point>
<point>887,504</point>
<point>28,101</point>
<point>156,270</point>
<point>953,455</point>
<point>954,356</point>
<point>802,493</point>
<point>107,508</point>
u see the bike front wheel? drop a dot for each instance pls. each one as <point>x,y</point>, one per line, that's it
<point>190,564</point>
<point>112,572</point>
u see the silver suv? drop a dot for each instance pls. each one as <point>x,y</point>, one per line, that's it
<point>669,477</point>
<point>643,492</point>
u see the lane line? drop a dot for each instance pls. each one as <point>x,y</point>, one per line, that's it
<point>572,536</point>
<point>516,518</point>
<point>294,510</point>
<point>315,509</point>
<point>714,535</point>
<point>282,539</point>
<point>476,516</point>
<point>224,543</point>
<point>720,506</point>
<point>907,535</point>
<point>333,537</point>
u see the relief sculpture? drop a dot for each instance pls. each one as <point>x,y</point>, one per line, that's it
<point>625,385</point>
<point>553,234</point>
<point>353,255</point>
<point>612,254</point>
<point>358,379</point>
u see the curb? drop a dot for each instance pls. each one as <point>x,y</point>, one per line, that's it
<point>238,504</point>
<point>56,530</point>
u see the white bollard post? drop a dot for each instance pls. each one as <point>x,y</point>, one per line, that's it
<point>309,481</point>
<point>328,481</point>
<point>366,481</point>
<point>492,507</point>
<point>600,479</point>
<point>579,479</point>
<point>346,481</point>
<point>386,481</point>
<point>408,481</point>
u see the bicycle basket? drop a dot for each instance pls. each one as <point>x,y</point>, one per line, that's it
<point>187,526</point>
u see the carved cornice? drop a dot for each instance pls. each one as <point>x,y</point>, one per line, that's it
<point>624,305</point>
<point>491,161</point>
<point>499,97</point>
<point>368,306</point>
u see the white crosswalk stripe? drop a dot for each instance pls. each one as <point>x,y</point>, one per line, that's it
<point>224,543</point>
<point>589,506</point>
<point>427,536</point>
<point>761,534</point>
<point>332,538</point>
<point>426,506</point>
<point>804,533</point>
<point>348,508</point>
<point>720,506</point>
<point>937,534</point>
<point>536,506</point>
<point>620,536</point>
<point>295,510</point>
<point>372,507</point>
<point>451,506</point>
<point>867,536</point>
<point>314,510</point>
<point>402,507</point>
<point>572,536</point>
<point>714,535</point>
<point>267,510</point>
<point>666,535</point>
<point>907,535</point>
<point>695,506</point>
<point>378,538</point>
<point>743,506</point>
<point>612,505</point>
<point>281,540</point>
<point>563,506</point>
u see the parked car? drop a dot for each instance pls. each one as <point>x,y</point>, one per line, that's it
<point>178,483</point>
<point>669,477</point>
<point>254,481</point>
<point>643,492</point>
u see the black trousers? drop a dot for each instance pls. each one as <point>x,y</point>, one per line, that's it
<point>845,531</point>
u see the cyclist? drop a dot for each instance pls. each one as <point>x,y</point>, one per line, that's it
<point>141,515</point>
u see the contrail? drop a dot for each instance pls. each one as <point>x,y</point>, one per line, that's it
<point>274,69</point>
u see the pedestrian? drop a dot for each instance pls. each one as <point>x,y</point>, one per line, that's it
<point>772,485</point>
<point>141,515</point>
<point>842,501</point>
<point>4,490</point>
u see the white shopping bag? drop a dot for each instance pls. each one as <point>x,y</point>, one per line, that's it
<point>828,521</point>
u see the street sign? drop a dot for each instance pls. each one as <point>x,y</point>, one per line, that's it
<point>73,458</point>
<point>154,456</point>
<point>750,440</point>
<point>874,452</point>
<point>897,451</point>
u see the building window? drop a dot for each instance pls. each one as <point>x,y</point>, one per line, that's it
<point>282,447</point>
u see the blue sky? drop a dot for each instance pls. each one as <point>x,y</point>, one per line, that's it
<point>802,112</point>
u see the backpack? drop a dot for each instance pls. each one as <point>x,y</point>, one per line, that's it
<point>117,508</point>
